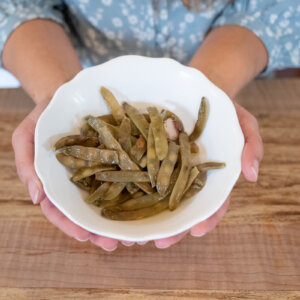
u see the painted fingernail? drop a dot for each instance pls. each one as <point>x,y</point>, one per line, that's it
<point>33,191</point>
<point>254,169</point>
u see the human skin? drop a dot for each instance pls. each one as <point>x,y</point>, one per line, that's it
<point>41,56</point>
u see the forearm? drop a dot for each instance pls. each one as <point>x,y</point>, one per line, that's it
<point>41,56</point>
<point>230,57</point>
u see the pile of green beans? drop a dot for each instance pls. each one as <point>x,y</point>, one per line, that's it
<point>128,165</point>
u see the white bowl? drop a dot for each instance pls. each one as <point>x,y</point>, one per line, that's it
<point>160,81</point>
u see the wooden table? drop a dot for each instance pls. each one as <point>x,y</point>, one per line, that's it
<point>254,253</point>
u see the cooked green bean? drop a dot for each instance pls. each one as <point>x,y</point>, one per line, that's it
<point>143,161</point>
<point>166,168</point>
<point>110,142</point>
<point>152,159</point>
<point>99,193</point>
<point>184,171</point>
<point>125,134</point>
<point>134,130</point>
<point>116,109</point>
<point>200,180</point>
<point>201,121</point>
<point>86,172</point>
<point>75,163</point>
<point>141,202</point>
<point>94,185</point>
<point>138,194</point>
<point>194,148</point>
<point>166,114</point>
<point>109,119</point>
<point>195,159</point>
<point>138,149</point>
<point>137,118</point>
<point>131,187</point>
<point>87,130</point>
<point>159,133</point>
<point>193,174</point>
<point>123,176</point>
<point>114,190</point>
<point>76,140</point>
<point>112,203</point>
<point>116,214</point>
<point>190,192</point>
<point>82,186</point>
<point>89,153</point>
<point>211,165</point>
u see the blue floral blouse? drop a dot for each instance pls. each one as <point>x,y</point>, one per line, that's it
<point>103,29</point>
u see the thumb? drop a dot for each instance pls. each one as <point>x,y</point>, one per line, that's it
<point>23,145</point>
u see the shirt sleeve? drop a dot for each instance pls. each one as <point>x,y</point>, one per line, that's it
<point>275,22</point>
<point>13,13</point>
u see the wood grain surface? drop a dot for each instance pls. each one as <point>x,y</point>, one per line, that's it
<point>254,253</point>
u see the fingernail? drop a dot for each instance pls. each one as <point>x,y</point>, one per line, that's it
<point>80,240</point>
<point>110,250</point>
<point>127,244</point>
<point>197,234</point>
<point>254,168</point>
<point>33,191</point>
<point>162,246</point>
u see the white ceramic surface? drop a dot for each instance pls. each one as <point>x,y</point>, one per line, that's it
<point>140,80</point>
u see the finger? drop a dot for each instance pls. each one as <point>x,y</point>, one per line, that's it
<point>23,144</point>
<point>127,243</point>
<point>105,243</point>
<point>210,223</point>
<point>167,242</point>
<point>253,148</point>
<point>58,219</point>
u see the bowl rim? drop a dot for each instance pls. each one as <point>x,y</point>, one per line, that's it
<point>77,77</point>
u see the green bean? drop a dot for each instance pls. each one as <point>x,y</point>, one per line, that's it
<point>200,180</point>
<point>138,194</point>
<point>111,203</point>
<point>75,163</point>
<point>194,148</point>
<point>116,109</point>
<point>76,140</point>
<point>87,130</point>
<point>131,187</point>
<point>193,174</point>
<point>99,193</point>
<point>137,118</point>
<point>117,214</point>
<point>166,168</point>
<point>89,153</point>
<point>211,165</point>
<point>152,159</point>
<point>134,130</point>
<point>159,133</point>
<point>190,193</point>
<point>182,179</point>
<point>86,172</point>
<point>82,186</point>
<point>124,134</point>
<point>138,149</point>
<point>143,161</point>
<point>201,121</point>
<point>110,142</point>
<point>109,119</point>
<point>123,176</point>
<point>166,114</point>
<point>173,180</point>
<point>195,159</point>
<point>141,202</point>
<point>114,190</point>
<point>95,184</point>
